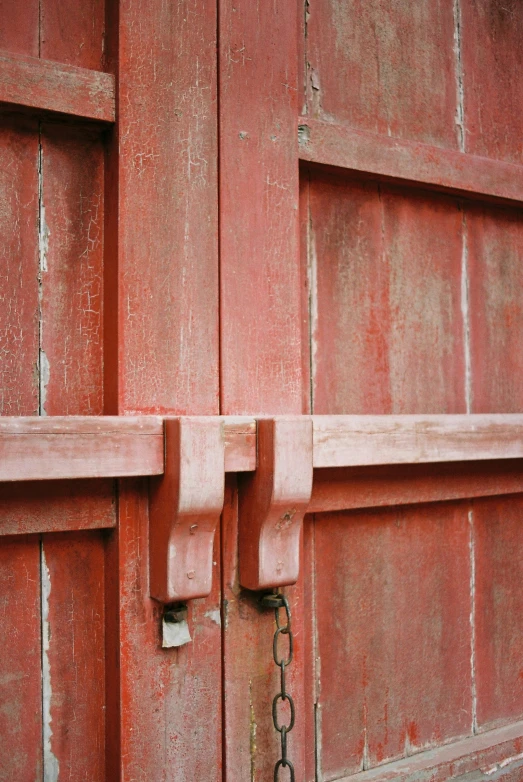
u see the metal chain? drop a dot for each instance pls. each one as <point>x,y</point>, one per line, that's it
<point>277,602</point>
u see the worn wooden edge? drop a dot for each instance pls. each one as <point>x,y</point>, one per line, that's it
<point>337,145</point>
<point>68,447</point>
<point>345,441</point>
<point>44,85</point>
<point>33,448</point>
<point>491,754</point>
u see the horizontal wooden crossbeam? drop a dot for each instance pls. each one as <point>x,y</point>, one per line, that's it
<point>333,144</point>
<point>33,448</point>
<point>65,447</point>
<point>43,85</point>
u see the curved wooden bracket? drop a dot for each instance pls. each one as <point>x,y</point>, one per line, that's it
<point>185,507</point>
<point>273,502</point>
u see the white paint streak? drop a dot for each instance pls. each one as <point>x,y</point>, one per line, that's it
<point>44,374</point>
<point>51,764</point>
<point>472,546</point>
<point>460,110</point>
<point>465,311</point>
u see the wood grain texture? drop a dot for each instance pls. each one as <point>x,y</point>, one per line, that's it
<point>380,156</point>
<point>73,33</point>
<point>20,644</point>
<point>384,67</point>
<point>19,28</point>
<point>44,85</point>
<point>251,678</point>
<point>478,757</point>
<point>161,329</point>
<point>46,506</point>
<point>260,271</point>
<point>74,660</point>
<point>162,285</point>
<point>499,602</point>
<point>371,487</point>
<point>495,248</point>
<point>394,643</point>
<point>19,268</point>
<point>387,321</point>
<point>492,59</point>
<point>169,726</point>
<point>261,323</point>
<point>71,290</point>
<point>342,441</point>
<point>52,457</point>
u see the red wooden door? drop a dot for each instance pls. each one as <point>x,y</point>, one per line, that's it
<point>257,209</point>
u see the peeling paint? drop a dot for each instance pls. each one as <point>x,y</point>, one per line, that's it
<point>51,764</point>
<point>214,616</point>
<point>252,733</point>
<point>460,112</point>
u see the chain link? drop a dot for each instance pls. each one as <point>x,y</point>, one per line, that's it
<point>278,602</point>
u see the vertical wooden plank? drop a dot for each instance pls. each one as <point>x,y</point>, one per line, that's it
<point>19,267</point>
<point>170,720</point>
<point>393,607</point>
<point>19,27</point>
<point>250,676</point>
<point>20,647</point>
<point>499,603</point>
<point>71,278</point>
<point>261,328</point>
<point>260,273</point>
<point>495,246</point>
<point>491,35</point>
<point>387,321</point>
<point>73,663</point>
<point>161,325</point>
<point>163,223</point>
<point>73,32</point>
<point>20,682</point>
<point>385,67</point>
<point>71,356</point>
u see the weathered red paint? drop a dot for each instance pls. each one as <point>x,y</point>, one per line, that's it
<point>413,307</point>
<point>393,643</point>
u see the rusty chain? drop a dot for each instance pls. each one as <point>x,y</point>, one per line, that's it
<point>277,602</point>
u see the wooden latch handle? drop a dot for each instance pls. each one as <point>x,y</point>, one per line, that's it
<point>184,510</point>
<point>273,502</point>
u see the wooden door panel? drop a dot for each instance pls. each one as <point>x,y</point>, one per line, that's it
<point>494,241</point>
<point>20,653</point>
<point>498,634</point>
<point>365,69</point>
<point>393,633</point>
<point>73,662</point>
<point>19,293</point>
<point>490,53</point>
<point>73,33</point>
<point>71,279</point>
<point>386,306</point>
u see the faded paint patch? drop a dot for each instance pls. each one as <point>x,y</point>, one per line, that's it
<point>214,616</point>
<point>51,764</point>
